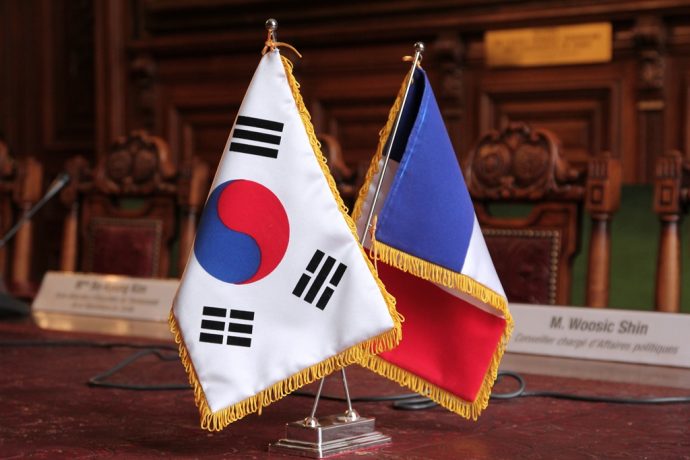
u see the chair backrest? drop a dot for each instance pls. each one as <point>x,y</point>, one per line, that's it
<point>21,184</point>
<point>125,214</point>
<point>671,202</point>
<point>533,254</point>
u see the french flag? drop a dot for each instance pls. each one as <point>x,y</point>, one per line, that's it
<point>432,257</point>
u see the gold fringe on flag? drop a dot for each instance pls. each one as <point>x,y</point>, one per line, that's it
<point>435,274</point>
<point>357,354</point>
<point>216,421</point>
<point>316,147</point>
<point>439,275</point>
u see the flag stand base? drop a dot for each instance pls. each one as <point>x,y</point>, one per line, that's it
<point>330,435</point>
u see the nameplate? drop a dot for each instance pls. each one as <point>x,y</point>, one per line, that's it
<point>601,334</point>
<point>110,296</point>
<point>538,46</point>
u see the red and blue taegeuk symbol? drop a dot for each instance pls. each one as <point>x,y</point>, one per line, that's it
<point>243,233</point>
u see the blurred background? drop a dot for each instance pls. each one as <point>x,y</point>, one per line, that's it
<point>77,75</point>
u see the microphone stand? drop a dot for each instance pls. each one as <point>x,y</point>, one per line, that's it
<point>55,187</point>
<point>8,303</point>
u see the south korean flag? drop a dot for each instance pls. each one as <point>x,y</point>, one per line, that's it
<point>277,292</point>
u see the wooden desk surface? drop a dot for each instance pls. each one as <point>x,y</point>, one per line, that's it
<point>48,412</point>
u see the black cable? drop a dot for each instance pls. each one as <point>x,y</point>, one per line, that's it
<point>414,401</point>
<point>99,380</point>
<point>522,393</point>
<point>511,394</point>
<point>608,399</point>
<point>359,399</point>
<point>408,401</point>
<point>419,403</point>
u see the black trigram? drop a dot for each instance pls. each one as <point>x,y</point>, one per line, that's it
<point>328,270</point>
<point>256,136</point>
<point>216,327</point>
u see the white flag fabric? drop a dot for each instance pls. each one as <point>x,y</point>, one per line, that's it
<point>277,292</point>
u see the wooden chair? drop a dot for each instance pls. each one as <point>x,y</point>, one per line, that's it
<point>533,254</point>
<point>20,188</point>
<point>125,215</point>
<point>671,202</point>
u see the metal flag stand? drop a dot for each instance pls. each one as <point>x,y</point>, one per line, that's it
<point>348,432</point>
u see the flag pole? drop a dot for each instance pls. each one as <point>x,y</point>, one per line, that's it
<point>333,434</point>
<point>271,27</point>
<point>352,414</point>
<point>418,50</point>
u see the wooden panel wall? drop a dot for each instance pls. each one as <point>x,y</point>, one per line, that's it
<point>47,52</point>
<point>4,64</point>
<point>81,73</point>
<point>189,64</point>
<point>47,95</point>
<point>76,73</point>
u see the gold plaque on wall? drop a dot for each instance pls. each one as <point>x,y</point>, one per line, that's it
<point>539,46</point>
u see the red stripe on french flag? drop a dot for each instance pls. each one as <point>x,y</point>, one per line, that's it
<point>446,340</point>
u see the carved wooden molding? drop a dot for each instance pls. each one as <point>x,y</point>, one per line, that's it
<point>136,164</point>
<point>604,180</point>
<point>672,185</point>
<point>520,163</point>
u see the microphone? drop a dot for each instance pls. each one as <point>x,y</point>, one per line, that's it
<point>58,184</point>
<point>9,304</point>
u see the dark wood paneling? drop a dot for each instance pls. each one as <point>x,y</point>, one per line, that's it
<point>47,97</point>
<point>77,74</point>
<point>353,103</point>
<point>47,87</point>
<point>197,122</point>
<point>584,107</point>
<point>196,118</point>
<point>345,96</point>
<point>684,107</point>
<point>112,21</point>
<point>163,22</point>
<point>351,71</point>
<point>68,76</point>
<point>4,64</point>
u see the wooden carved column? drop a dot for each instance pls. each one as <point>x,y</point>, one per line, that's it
<point>602,201</point>
<point>671,197</point>
<point>7,167</point>
<point>650,39</point>
<point>448,53</point>
<point>193,186</point>
<point>80,180</point>
<point>27,194</point>
<point>22,181</point>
